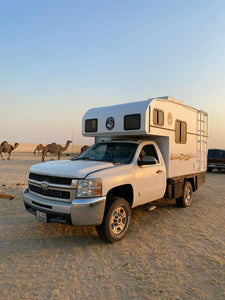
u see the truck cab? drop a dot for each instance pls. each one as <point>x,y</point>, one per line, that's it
<point>137,164</point>
<point>79,191</point>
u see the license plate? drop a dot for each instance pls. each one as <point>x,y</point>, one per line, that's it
<point>41,216</point>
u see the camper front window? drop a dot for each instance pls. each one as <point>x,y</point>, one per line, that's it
<point>91,125</point>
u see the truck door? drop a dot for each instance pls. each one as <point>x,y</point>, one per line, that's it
<point>150,175</point>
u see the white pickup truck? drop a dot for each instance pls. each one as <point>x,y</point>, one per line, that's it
<point>144,151</point>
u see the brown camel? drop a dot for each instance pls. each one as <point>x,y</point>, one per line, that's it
<point>39,148</point>
<point>54,148</point>
<point>84,148</point>
<point>7,148</point>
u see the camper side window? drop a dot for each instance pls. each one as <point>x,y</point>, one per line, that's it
<point>180,132</point>
<point>158,117</point>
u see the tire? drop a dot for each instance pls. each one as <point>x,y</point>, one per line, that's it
<point>209,169</point>
<point>116,220</point>
<point>187,196</point>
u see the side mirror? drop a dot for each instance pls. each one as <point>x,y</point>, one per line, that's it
<point>148,160</point>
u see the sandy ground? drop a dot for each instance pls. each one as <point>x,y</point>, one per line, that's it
<point>168,253</point>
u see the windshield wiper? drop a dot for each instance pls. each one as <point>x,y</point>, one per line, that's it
<point>84,158</point>
<point>81,158</point>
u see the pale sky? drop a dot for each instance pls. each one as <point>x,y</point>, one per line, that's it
<point>60,58</point>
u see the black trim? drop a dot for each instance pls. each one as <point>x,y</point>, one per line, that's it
<point>42,205</point>
<point>51,179</point>
<point>52,217</point>
<point>60,194</point>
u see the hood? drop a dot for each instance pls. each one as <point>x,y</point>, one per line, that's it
<point>69,168</point>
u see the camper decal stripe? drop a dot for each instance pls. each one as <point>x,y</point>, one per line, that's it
<point>173,130</point>
<point>181,156</point>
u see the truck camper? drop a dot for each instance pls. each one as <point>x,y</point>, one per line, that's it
<point>143,151</point>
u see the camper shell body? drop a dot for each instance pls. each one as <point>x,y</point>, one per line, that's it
<point>162,120</point>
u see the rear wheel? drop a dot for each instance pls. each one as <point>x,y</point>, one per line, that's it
<point>187,196</point>
<point>209,169</point>
<point>116,220</point>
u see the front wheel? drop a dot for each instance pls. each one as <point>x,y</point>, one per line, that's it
<point>116,220</point>
<point>186,198</point>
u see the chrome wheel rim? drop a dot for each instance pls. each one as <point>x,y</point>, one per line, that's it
<point>118,220</point>
<point>188,195</point>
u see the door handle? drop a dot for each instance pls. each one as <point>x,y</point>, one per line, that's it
<point>159,171</point>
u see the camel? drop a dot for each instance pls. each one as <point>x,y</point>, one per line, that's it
<point>7,148</point>
<point>39,148</point>
<point>84,148</point>
<point>54,148</point>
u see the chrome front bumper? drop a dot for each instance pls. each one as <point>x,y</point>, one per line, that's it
<point>88,211</point>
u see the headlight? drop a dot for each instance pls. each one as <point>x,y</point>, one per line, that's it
<point>89,188</point>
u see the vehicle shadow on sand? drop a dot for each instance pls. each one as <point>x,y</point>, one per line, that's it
<point>54,234</point>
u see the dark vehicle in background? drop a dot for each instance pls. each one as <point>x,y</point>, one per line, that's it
<point>216,159</point>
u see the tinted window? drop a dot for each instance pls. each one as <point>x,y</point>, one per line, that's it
<point>132,122</point>
<point>91,125</point>
<point>216,153</point>
<point>110,151</point>
<point>147,151</point>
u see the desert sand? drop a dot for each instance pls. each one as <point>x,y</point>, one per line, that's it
<point>168,253</point>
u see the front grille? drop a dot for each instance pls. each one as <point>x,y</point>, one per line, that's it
<point>51,179</point>
<point>50,193</point>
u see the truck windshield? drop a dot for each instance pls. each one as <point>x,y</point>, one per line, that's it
<point>114,152</point>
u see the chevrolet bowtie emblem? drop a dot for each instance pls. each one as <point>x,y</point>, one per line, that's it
<point>44,186</point>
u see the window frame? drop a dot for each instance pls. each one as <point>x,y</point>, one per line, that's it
<point>156,117</point>
<point>180,133</point>
<point>153,149</point>
<point>132,115</point>
<point>95,129</point>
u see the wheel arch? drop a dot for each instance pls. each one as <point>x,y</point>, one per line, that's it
<point>193,182</point>
<point>124,191</point>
